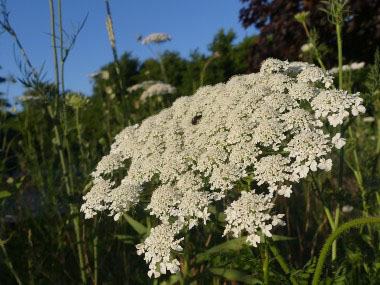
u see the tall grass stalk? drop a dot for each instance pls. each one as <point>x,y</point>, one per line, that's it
<point>203,73</point>
<point>74,211</point>
<point>9,263</point>
<point>111,36</point>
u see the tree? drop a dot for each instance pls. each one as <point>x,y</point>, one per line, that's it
<point>281,36</point>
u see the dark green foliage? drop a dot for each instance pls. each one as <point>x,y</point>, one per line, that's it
<point>281,36</point>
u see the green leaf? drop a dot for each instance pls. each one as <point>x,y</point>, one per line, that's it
<point>280,238</point>
<point>4,194</point>
<point>138,227</point>
<point>127,239</point>
<point>235,275</point>
<point>235,244</point>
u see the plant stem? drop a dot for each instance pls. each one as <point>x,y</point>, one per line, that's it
<point>96,269</point>
<point>340,57</point>
<point>163,70</point>
<point>330,218</point>
<point>214,56</point>
<point>282,262</point>
<point>333,237</point>
<point>54,46</point>
<point>111,36</point>
<point>54,113</point>
<point>314,46</point>
<point>9,264</point>
<point>341,154</point>
<point>79,132</point>
<point>266,266</point>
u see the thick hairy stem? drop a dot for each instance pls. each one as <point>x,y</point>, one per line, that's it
<point>333,237</point>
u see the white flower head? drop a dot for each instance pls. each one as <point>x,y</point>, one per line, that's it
<point>268,125</point>
<point>157,89</point>
<point>249,213</point>
<point>156,38</point>
<point>152,88</point>
<point>338,141</point>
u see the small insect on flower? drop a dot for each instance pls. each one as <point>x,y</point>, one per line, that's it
<point>196,119</point>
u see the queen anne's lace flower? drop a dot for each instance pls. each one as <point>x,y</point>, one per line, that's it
<point>152,88</point>
<point>158,247</point>
<point>250,213</point>
<point>267,126</point>
<point>156,38</point>
<point>157,89</point>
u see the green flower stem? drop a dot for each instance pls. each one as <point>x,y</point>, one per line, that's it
<point>275,152</point>
<point>314,46</point>
<point>359,179</point>
<point>203,73</point>
<point>333,237</point>
<point>79,134</point>
<point>266,266</point>
<point>162,66</point>
<point>330,218</point>
<point>340,61</point>
<point>8,263</point>
<point>111,36</point>
<point>55,56</point>
<point>96,261</point>
<point>54,113</point>
<point>282,262</point>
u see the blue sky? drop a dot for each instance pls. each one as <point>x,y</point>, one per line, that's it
<point>192,25</point>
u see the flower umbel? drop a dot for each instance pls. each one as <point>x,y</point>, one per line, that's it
<point>156,38</point>
<point>266,125</point>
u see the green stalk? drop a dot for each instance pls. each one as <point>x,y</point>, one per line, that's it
<point>214,56</point>
<point>340,57</point>
<point>341,154</point>
<point>330,218</point>
<point>333,237</point>
<point>96,262</point>
<point>160,60</point>
<point>62,60</point>
<point>162,66</point>
<point>55,116</point>
<point>359,180</point>
<point>111,36</point>
<point>266,266</point>
<point>79,132</point>
<point>314,46</point>
<point>52,20</point>
<point>9,264</point>
<point>282,262</point>
<point>185,272</point>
